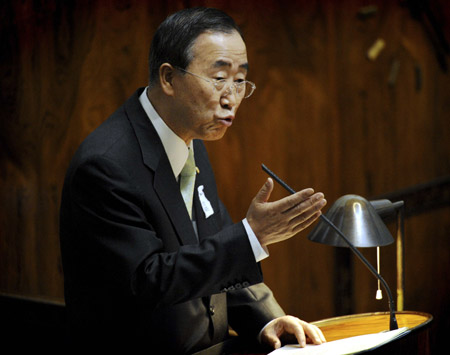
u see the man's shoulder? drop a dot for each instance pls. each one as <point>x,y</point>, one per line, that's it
<point>108,135</point>
<point>113,138</point>
<point>117,126</point>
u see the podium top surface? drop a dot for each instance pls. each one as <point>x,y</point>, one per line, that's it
<point>367,323</point>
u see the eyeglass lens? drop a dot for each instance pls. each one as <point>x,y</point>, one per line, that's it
<point>244,89</point>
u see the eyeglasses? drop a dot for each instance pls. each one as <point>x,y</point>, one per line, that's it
<point>243,89</point>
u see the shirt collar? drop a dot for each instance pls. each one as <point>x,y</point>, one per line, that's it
<point>176,149</point>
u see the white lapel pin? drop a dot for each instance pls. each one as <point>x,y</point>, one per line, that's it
<point>206,205</point>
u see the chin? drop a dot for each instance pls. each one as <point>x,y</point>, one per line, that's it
<point>215,136</point>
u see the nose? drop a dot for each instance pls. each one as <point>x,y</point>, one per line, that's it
<point>229,97</point>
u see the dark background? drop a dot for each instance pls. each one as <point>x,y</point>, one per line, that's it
<point>323,116</point>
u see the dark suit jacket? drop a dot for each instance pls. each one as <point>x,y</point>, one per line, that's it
<point>135,272</point>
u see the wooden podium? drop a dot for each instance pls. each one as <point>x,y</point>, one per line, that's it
<point>415,342</point>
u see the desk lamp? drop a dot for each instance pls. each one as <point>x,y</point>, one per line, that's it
<point>353,222</point>
<point>351,219</point>
<point>359,222</point>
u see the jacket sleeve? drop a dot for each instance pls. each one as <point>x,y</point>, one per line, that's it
<point>250,307</point>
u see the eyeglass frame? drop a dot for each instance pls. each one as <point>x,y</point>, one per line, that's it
<point>216,82</point>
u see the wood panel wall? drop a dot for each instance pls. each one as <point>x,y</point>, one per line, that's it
<point>323,116</point>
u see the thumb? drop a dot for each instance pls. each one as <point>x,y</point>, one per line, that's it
<point>263,194</point>
<point>273,340</point>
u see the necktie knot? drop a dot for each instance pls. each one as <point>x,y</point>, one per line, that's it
<point>189,168</point>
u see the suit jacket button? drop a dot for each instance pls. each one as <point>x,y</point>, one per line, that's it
<point>238,286</point>
<point>211,310</point>
<point>245,284</point>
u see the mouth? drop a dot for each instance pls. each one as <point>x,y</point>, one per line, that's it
<point>227,121</point>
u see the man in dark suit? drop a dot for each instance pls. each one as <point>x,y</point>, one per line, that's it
<point>143,264</point>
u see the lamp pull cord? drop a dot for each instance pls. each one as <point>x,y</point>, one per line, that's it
<point>379,295</point>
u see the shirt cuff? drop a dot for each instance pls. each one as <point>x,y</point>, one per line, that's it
<point>260,252</point>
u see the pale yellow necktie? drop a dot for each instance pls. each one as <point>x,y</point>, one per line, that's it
<point>187,181</point>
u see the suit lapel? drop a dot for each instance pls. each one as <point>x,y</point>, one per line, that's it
<point>155,158</point>
<point>168,191</point>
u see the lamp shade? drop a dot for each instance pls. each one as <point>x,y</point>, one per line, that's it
<point>358,221</point>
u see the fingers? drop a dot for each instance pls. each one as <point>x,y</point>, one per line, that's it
<point>300,204</point>
<point>301,329</point>
<point>314,333</point>
<point>289,202</point>
<point>321,335</point>
<point>288,325</point>
<point>299,333</point>
<point>306,215</point>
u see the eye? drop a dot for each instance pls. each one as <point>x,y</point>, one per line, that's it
<point>219,83</point>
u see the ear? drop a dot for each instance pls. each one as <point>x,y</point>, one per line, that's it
<point>166,75</point>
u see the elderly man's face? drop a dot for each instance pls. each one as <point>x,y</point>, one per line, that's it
<point>205,112</point>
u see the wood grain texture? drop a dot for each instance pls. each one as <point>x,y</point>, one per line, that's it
<point>416,341</point>
<point>368,323</point>
<point>322,116</point>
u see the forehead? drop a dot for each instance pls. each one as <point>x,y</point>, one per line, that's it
<point>217,49</point>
